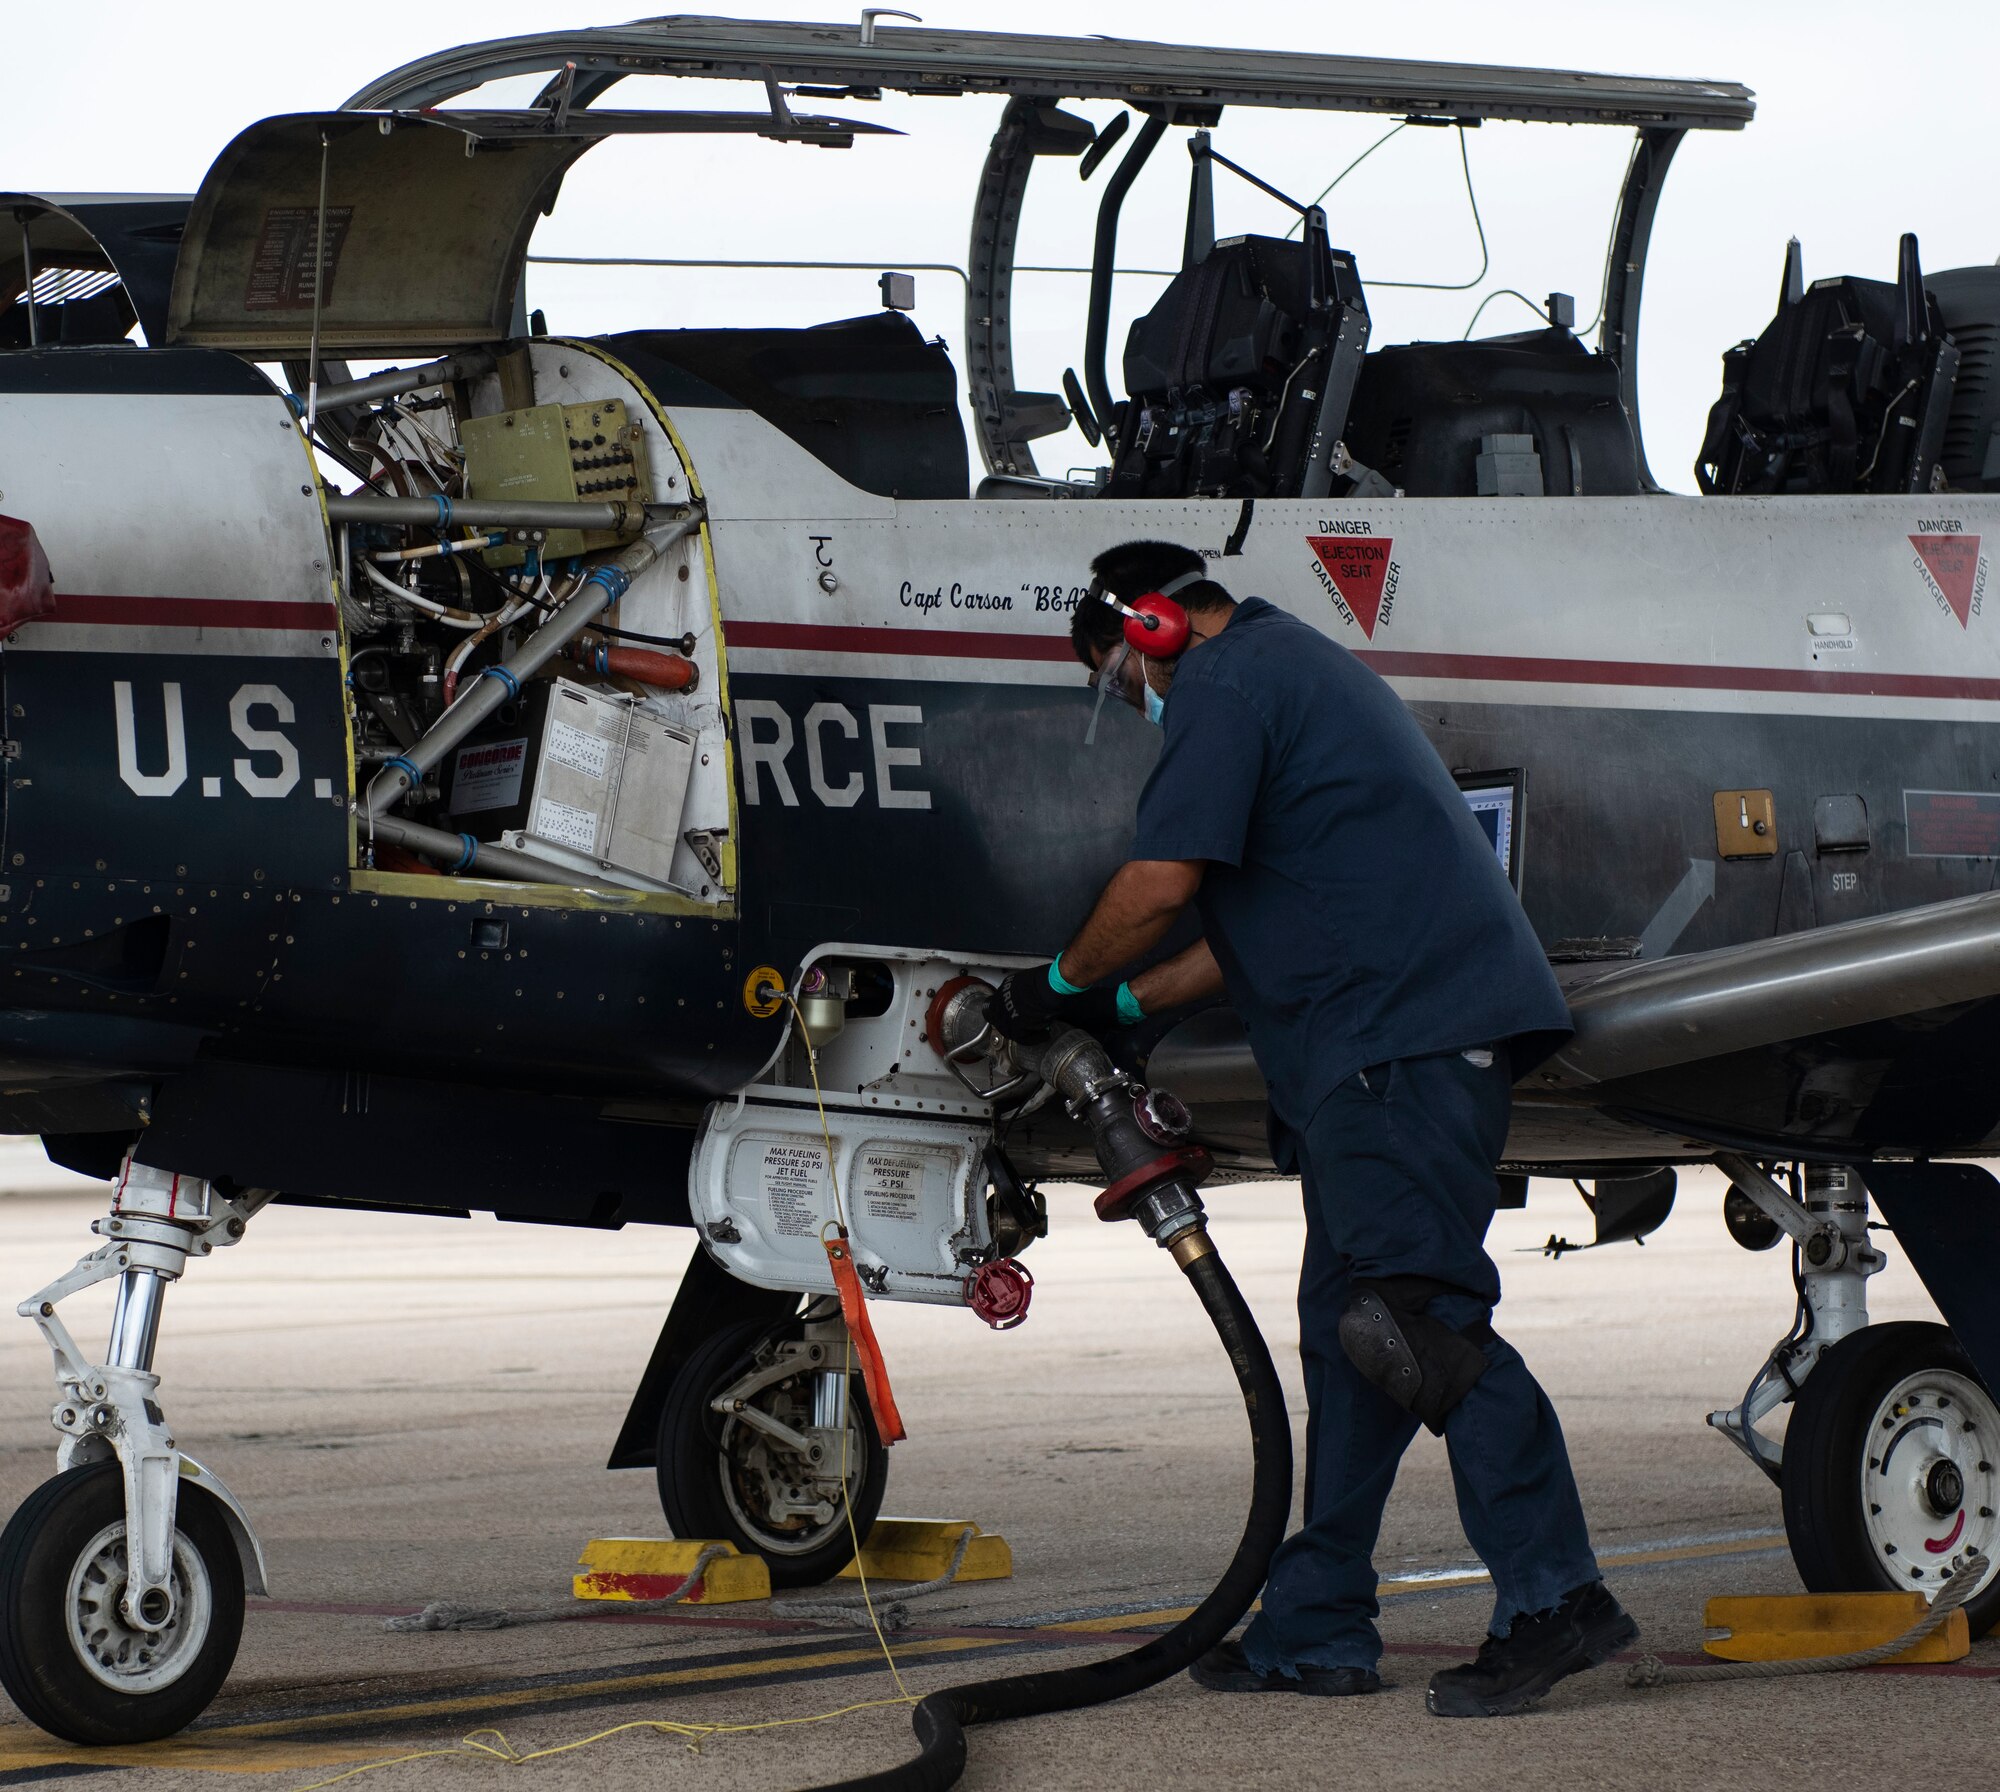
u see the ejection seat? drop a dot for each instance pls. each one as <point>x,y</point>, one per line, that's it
<point>1847,390</point>
<point>1429,416</point>
<point>1238,379</point>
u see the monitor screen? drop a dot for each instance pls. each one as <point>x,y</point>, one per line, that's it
<point>1495,799</point>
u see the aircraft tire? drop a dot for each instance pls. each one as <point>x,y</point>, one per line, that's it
<point>67,1657</point>
<point>710,1466</point>
<point>1892,1468</point>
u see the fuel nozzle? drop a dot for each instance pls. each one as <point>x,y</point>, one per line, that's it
<point>1140,1134</point>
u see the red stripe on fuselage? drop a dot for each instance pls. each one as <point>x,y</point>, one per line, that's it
<point>1460,667</point>
<point>965,644</point>
<point>1502,668</point>
<point>192,612</point>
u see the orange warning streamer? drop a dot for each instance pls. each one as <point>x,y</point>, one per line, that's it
<point>854,1309</point>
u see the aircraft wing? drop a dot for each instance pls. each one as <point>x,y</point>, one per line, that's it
<point>1871,1037</point>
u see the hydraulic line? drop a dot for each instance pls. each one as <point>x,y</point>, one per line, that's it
<point>436,511</point>
<point>398,380</point>
<point>941,1720</point>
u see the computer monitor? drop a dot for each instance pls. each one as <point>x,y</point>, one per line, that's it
<point>1495,801</point>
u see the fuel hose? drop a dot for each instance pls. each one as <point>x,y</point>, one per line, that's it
<point>942,1718</point>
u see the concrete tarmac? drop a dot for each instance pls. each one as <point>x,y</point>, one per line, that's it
<point>416,1409</point>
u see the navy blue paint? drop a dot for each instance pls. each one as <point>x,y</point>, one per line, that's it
<point>70,813</point>
<point>1947,1218</point>
<point>1025,821</point>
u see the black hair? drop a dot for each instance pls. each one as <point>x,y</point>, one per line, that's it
<point>1131,570</point>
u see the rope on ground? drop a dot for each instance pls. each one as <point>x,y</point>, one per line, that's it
<point>1650,1670</point>
<point>442,1614</point>
<point>471,1748</point>
<point>853,1608</point>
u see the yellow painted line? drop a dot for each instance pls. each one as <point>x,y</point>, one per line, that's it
<point>582,1689</point>
<point>30,1749</point>
<point>1400,1589</point>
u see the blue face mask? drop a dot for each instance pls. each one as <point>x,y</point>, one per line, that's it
<point>1156,708</point>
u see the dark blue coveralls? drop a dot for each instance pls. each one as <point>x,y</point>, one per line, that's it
<point>1392,988</point>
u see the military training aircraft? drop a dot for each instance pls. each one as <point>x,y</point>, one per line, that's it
<point>451,765</point>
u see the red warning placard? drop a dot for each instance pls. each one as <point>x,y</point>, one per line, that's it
<point>1361,573</point>
<point>1952,564</point>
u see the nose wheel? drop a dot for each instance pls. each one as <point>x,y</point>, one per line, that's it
<point>1892,1468</point>
<point>71,1656</point>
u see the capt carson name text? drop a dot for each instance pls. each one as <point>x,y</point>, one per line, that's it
<point>913,598</point>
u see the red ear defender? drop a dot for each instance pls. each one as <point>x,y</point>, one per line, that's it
<point>1156,626</point>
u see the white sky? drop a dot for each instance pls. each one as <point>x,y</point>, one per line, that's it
<point>1870,122</point>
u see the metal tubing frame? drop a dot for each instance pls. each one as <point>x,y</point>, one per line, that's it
<point>601,588</point>
<point>474,513</point>
<point>396,381</point>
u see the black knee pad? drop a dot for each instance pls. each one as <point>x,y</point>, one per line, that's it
<point>1421,1363</point>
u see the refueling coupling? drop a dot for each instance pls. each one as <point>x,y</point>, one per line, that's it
<point>1140,1134</point>
<point>1141,1139</point>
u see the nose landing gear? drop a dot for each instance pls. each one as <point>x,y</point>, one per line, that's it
<point>122,1579</point>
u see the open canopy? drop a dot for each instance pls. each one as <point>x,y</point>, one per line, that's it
<point>862,60</point>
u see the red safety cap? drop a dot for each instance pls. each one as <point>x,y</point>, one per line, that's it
<point>999,1293</point>
<point>1157,627</point>
<point>27,588</point>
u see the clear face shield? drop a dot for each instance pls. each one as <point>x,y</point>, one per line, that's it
<point>1121,673</point>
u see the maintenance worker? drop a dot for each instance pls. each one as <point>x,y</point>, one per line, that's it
<point>1363,928</point>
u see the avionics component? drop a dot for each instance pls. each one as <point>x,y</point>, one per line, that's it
<point>609,784</point>
<point>913,1192</point>
<point>558,454</point>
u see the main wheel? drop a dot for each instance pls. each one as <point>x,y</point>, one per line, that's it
<point>1892,1468</point>
<point>722,1478</point>
<point>68,1657</point>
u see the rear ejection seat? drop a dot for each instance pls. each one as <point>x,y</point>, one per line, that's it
<point>1427,414</point>
<point>1847,390</point>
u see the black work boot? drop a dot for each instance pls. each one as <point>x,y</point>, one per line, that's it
<point>1540,1648</point>
<point>1225,1668</point>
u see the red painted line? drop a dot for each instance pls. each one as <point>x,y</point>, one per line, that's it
<point>1508,669</point>
<point>192,612</point>
<point>1391,663</point>
<point>956,644</point>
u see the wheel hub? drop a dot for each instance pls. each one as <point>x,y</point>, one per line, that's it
<point>788,1503</point>
<point>1944,1488</point>
<point>1931,1483</point>
<point>126,1658</point>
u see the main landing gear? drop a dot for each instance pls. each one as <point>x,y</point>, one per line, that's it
<point>122,1580</point>
<point>765,1436</point>
<point>1890,1467</point>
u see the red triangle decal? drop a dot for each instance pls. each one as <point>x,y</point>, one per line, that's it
<point>1952,560</point>
<point>1358,564</point>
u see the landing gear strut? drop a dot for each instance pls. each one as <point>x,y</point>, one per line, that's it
<point>122,1579</point>
<point>1890,1466</point>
